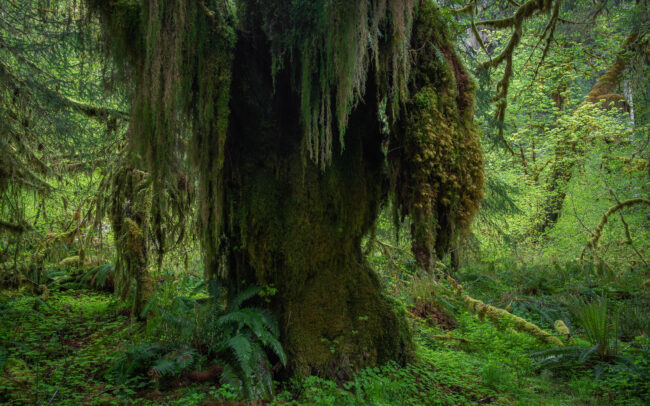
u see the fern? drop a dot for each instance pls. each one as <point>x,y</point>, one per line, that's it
<point>269,320</point>
<point>151,359</point>
<point>242,349</point>
<point>174,363</point>
<point>241,297</point>
<point>247,332</point>
<point>97,276</point>
<point>256,323</point>
<point>241,338</point>
<point>600,330</point>
<point>135,362</point>
<point>558,357</point>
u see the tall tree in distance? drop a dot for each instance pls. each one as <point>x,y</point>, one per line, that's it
<point>301,119</point>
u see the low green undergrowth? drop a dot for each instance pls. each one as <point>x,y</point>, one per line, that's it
<point>78,346</point>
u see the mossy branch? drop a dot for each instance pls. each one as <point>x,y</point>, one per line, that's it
<point>605,86</point>
<point>524,12</point>
<point>597,234</point>
<point>497,315</point>
<point>16,228</point>
<point>465,9</point>
<point>58,99</point>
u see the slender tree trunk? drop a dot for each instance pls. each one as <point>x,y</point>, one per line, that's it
<point>130,211</point>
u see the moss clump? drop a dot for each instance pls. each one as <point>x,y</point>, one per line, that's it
<point>437,163</point>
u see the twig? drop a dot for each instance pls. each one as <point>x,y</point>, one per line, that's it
<point>53,396</point>
<point>87,398</point>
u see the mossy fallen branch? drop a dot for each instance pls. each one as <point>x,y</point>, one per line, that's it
<point>562,329</point>
<point>497,315</point>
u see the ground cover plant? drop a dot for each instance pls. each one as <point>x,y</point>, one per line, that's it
<point>367,202</point>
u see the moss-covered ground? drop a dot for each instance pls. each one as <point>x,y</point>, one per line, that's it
<point>58,349</point>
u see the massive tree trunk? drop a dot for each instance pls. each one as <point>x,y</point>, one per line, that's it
<point>299,228</point>
<point>285,103</point>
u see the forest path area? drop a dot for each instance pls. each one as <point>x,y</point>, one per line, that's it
<point>57,347</point>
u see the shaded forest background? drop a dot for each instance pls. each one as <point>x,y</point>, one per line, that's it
<point>544,300</point>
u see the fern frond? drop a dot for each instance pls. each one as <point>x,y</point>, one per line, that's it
<point>269,319</point>
<point>563,356</point>
<point>230,377</point>
<point>164,367</point>
<point>242,350</point>
<point>587,353</point>
<point>246,294</point>
<point>244,318</point>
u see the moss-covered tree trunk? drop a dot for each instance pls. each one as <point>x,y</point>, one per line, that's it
<point>279,103</point>
<point>299,228</point>
<point>130,210</point>
<point>562,168</point>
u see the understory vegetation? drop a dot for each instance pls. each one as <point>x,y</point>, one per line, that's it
<point>377,202</point>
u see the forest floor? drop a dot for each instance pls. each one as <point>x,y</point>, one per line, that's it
<point>59,346</point>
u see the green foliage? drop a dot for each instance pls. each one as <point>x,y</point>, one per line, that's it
<point>600,329</point>
<point>245,334</point>
<point>235,337</point>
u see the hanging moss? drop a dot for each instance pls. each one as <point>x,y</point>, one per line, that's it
<point>130,211</point>
<point>179,55</point>
<point>437,163</point>
<point>332,47</point>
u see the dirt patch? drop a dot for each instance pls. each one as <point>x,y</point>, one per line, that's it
<point>431,312</point>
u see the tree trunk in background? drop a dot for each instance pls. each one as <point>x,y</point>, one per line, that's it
<point>562,168</point>
<point>299,228</point>
<point>130,211</point>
